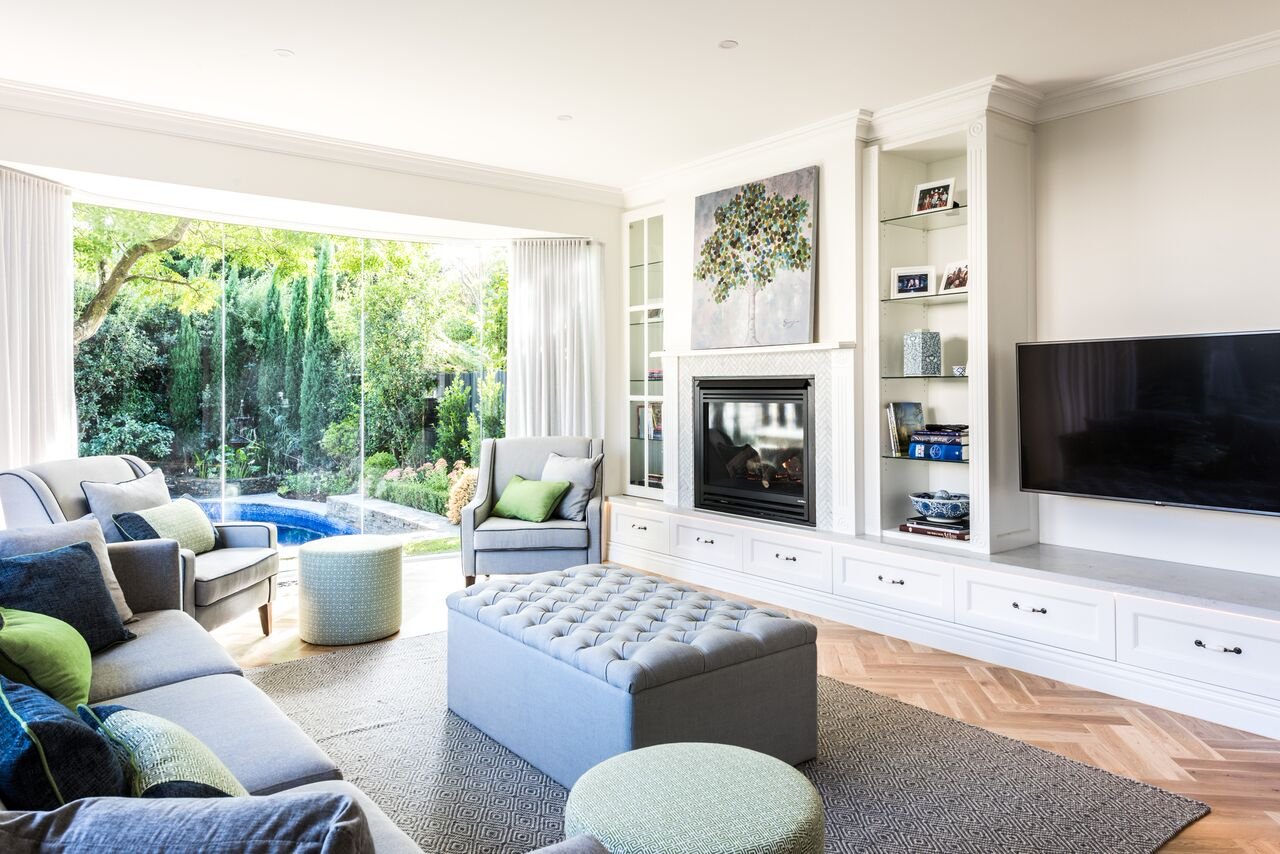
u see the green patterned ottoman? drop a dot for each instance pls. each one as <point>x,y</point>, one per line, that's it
<point>349,589</point>
<point>696,799</point>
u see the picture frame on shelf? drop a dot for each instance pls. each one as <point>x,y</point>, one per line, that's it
<point>955,278</point>
<point>905,282</point>
<point>934,196</point>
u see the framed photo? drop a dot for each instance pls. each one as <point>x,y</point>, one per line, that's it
<point>955,277</point>
<point>934,195</point>
<point>911,282</point>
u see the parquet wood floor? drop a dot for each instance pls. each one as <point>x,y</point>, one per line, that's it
<point>1236,773</point>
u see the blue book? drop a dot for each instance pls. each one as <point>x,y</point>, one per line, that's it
<point>931,451</point>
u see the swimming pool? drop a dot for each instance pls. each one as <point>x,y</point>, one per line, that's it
<point>293,525</point>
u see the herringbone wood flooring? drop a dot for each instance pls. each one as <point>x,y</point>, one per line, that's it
<point>1236,773</point>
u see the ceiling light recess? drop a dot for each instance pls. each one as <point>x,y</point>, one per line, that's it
<point>564,117</point>
<point>283,53</point>
<point>728,44</point>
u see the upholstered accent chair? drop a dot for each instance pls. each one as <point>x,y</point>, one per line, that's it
<point>217,586</point>
<point>496,546</point>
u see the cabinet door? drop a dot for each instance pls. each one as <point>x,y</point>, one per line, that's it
<point>635,528</point>
<point>1075,618</point>
<point>1209,646</point>
<point>921,586</point>
<point>795,560</point>
<point>704,543</point>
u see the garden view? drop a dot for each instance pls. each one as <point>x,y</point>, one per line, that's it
<point>287,374</point>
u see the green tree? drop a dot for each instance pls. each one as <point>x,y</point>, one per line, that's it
<point>494,325</point>
<point>316,400</point>
<point>295,349</point>
<point>230,320</point>
<point>451,422</point>
<point>271,362</point>
<point>184,384</point>
<point>756,234</point>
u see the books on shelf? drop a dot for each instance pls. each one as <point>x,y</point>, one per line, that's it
<point>904,418</point>
<point>941,437</point>
<point>654,374</point>
<point>648,421</point>
<point>929,528</point>
<point>938,451</point>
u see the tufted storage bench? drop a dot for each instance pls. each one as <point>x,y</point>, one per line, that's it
<point>571,667</point>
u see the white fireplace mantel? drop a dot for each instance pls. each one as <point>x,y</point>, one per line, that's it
<point>746,351</point>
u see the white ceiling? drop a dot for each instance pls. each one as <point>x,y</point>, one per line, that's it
<point>484,81</point>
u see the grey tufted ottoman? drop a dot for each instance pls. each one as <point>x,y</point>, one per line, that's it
<point>571,667</point>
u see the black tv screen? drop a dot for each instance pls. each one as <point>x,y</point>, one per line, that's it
<point>1187,420</point>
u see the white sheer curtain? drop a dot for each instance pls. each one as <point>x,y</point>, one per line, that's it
<point>37,380</point>
<point>555,339</point>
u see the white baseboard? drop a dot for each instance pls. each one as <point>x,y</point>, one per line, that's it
<point>1209,702</point>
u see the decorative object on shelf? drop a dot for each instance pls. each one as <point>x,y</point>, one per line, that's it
<point>904,418</point>
<point>941,506</point>
<point>945,530</point>
<point>755,269</point>
<point>934,195</point>
<point>938,451</point>
<point>911,282</point>
<point>959,370</point>
<point>955,277</point>
<point>922,353</point>
<point>942,434</point>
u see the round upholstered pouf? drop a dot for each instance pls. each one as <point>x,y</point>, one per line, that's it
<point>349,589</point>
<point>696,799</point>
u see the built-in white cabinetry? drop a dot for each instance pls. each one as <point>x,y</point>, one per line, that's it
<point>1057,615</point>
<point>706,543</point>
<point>907,583</point>
<point>805,561</point>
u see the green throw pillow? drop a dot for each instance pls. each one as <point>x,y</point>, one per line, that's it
<point>530,500</point>
<point>182,520</point>
<point>45,653</point>
<point>165,761</point>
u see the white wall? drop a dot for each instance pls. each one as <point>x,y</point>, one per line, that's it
<point>1157,217</point>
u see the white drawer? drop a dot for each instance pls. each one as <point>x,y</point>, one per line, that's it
<point>1208,646</point>
<point>795,560</point>
<point>909,584</point>
<point>632,528</point>
<point>706,544</point>
<point>1060,615</point>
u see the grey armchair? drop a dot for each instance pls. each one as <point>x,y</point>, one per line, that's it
<point>496,546</point>
<point>215,587</point>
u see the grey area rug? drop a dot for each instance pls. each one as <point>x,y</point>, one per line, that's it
<point>893,777</point>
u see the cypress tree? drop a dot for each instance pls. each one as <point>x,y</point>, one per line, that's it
<point>271,361</point>
<point>294,350</point>
<point>317,396</point>
<point>184,383</point>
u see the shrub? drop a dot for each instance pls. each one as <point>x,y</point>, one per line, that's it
<point>341,440</point>
<point>416,494</point>
<point>316,485</point>
<point>377,465</point>
<point>124,434</point>
<point>451,421</point>
<point>461,493</point>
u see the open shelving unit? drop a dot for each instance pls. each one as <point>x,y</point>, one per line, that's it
<point>978,326</point>
<point>645,477</point>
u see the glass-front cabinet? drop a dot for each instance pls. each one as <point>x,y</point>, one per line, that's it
<point>644,368</point>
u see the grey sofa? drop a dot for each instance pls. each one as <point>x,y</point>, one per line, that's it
<point>175,669</point>
<point>215,587</point>
<point>491,545</point>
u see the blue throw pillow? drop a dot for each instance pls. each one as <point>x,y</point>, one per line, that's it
<point>48,756</point>
<point>65,583</point>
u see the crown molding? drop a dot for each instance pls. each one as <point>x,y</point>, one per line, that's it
<point>650,190</point>
<point>1191,70</point>
<point>76,106</point>
<point>954,107</point>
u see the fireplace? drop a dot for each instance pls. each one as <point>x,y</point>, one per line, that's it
<point>753,447</point>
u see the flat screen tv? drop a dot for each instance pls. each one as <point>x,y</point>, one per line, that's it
<point>1192,420</point>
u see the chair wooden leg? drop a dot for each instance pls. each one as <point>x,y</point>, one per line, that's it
<point>470,580</point>
<point>264,617</point>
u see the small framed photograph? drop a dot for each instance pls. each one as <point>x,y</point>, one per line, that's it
<point>955,277</point>
<point>934,195</point>
<point>911,282</point>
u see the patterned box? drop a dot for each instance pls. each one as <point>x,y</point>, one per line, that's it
<point>922,353</point>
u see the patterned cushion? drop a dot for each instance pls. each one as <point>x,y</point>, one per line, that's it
<point>165,761</point>
<point>65,583</point>
<point>47,756</point>
<point>108,499</point>
<point>45,653</point>
<point>633,631</point>
<point>182,520</point>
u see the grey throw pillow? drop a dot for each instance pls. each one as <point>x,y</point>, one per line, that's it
<point>46,538</point>
<point>108,499</point>
<point>581,472</point>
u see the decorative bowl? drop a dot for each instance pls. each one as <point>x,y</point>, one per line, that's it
<point>941,506</point>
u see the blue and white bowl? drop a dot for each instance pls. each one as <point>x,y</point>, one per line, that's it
<point>941,506</point>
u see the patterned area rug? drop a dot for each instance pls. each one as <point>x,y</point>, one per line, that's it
<point>894,778</point>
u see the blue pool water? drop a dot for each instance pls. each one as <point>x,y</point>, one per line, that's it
<point>293,526</point>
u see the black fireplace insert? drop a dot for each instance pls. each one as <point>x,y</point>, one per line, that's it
<point>753,447</point>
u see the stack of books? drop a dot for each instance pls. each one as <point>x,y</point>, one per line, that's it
<point>945,442</point>
<point>958,530</point>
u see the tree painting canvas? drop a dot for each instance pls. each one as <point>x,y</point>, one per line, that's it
<point>756,260</point>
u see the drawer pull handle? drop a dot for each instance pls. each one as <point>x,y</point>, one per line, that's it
<point>1032,610</point>
<point>706,540</point>
<point>1235,650</point>
<point>639,527</point>
<point>901,581</point>
<point>781,556</point>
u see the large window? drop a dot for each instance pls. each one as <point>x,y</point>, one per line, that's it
<point>330,384</point>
